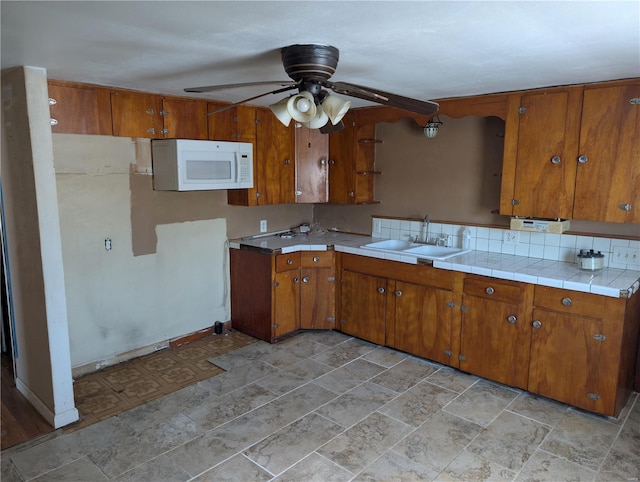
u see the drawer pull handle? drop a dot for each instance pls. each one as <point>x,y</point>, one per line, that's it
<point>289,261</point>
<point>512,318</point>
<point>398,293</point>
<point>381,290</point>
<point>305,279</point>
<point>566,301</point>
<point>489,290</point>
<point>316,259</point>
<point>536,324</point>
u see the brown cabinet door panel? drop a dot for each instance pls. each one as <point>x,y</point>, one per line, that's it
<point>363,306</point>
<point>136,115</point>
<point>342,163</point>
<point>317,298</point>
<point>274,160</point>
<point>610,140</point>
<point>312,150</point>
<point>422,321</point>
<point>493,347</point>
<point>565,359</point>
<point>80,110</point>
<point>286,295</point>
<point>184,118</point>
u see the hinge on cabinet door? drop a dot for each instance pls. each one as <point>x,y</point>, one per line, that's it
<point>448,352</point>
<point>298,193</point>
<point>164,112</point>
<point>635,101</point>
<point>625,207</point>
<point>331,319</point>
<point>522,110</point>
<point>150,111</point>
<point>599,337</point>
<point>276,284</point>
<point>53,122</point>
<point>451,304</point>
<point>165,131</point>
<point>151,130</point>
<point>593,396</point>
<point>258,194</point>
<point>515,202</point>
<point>275,325</point>
<point>462,357</point>
<point>464,308</point>
<point>331,278</point>
<point>342,280</point>
<point>52,101</point>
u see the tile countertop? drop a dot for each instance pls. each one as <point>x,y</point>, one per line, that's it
<point>608,282</point>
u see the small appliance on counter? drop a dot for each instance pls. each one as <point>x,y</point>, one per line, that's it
<point>590,260</point>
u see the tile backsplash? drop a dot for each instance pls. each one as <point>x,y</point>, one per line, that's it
<point>557,247</point>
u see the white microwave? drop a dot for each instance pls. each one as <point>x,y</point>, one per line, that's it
<point>189,165</point>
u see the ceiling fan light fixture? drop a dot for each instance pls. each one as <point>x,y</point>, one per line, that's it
<point>281,112</point>
<point>336,108</point>
<point>431,128</point>
<point>302,107</point>
<point>319,120</point>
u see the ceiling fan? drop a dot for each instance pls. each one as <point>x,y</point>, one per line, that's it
<point>310,67</point>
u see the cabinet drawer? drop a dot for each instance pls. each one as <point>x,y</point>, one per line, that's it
<point>316,259</point>
<point>566,301</point>
<point>495,289</point>
<point>285,262</point>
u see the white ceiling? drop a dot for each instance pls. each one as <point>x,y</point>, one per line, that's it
<point>421,49</point>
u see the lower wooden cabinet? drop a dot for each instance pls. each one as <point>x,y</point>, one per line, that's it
<point>495,330</point>
<point>275,295</point>
<point>364,301</point>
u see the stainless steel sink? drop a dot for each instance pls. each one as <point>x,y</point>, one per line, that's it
<point>426,251</point>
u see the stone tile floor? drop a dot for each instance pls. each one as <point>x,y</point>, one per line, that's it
<point>322,406</point>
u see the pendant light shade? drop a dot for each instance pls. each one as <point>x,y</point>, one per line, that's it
<point>319,120</point>
<point>431,127</point>
<point>280,110</point>
<point>302,107</point>
<point>336,108</point>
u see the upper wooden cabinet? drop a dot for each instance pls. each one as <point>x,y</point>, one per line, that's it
<point>351,162</point>
<point>608,177</point>
<point>154,116</point>
<point>573,153</point>
<point>312,152</point>
<point>237,124</point>
<point>79,109</point>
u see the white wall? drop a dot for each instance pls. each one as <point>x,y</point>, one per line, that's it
<point>116,301</point>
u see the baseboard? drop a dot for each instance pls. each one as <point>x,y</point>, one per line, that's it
<point>94,366</point>
<point>56,420</point>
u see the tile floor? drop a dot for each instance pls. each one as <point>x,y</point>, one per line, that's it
<point>323,406</point>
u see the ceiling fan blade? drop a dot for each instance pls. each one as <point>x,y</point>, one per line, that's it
<point>212,88</point>
<point>424,107</point>
<point>231,106</point>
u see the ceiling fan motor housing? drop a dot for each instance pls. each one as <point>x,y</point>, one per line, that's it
<point>311,62</point>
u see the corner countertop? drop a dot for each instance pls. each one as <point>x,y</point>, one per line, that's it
<point>611,282</point>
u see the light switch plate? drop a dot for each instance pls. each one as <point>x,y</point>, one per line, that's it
<point>626,255</point>
<point>376,226</point>
<point>263,225</point>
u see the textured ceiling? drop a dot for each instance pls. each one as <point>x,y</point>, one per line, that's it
<point>421,49</point>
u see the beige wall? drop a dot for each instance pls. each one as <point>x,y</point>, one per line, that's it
<point>166,274</point>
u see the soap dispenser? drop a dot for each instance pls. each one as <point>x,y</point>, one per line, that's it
<point>466,238</point>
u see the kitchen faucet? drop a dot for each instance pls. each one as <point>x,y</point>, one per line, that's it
<point>425,227</point>
<point>441,240</point>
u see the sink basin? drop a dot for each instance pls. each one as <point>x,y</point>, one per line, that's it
<point>408,248</point>
<point>434,252</point>
<point>391,245</point>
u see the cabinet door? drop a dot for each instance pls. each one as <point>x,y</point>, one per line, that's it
<point>312,150</point>
<point>545,163</point>
<point>609,164</point>
<point>274,160</point>
<point>342,163</point>
<point>237,124</point>
<point>565,359</point>
<point>422,321</point>
<point>136,115</point>
<point>317,298</point>
<point>364,300</point>
<point>184,118</point>
<point>80,110</point>
<point>286,302</point>
<point>495,341</point>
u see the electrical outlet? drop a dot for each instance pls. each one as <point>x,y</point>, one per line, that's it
<point>511,237</point>
<point>263,225</point>
<point>626,255</point>
<point>377,226</point>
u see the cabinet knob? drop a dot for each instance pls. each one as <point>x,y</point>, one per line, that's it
<point>381,290</point>
<point>489,290</point>
<point>398,293</point>
<point>555,160</point>
<point>287,162</point>
<point>289,261</point>
<point>566,301</point>
<point>351,193</point>
<point>296,280</point>
<point>305,279</point>
<point>536,324</point>
<point>624,207</point>
<point>331,162</point>
<point>512,318</point>
<point>582,159</point>
<point>316,259</point>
